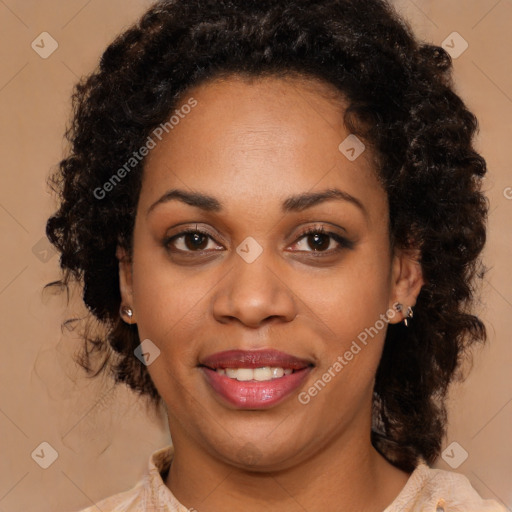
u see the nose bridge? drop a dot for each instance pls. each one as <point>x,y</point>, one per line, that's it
<point>254,290</point>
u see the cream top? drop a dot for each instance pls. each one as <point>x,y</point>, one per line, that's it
<point>427,490</point>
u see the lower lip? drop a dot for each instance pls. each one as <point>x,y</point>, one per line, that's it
<point>255,394</point>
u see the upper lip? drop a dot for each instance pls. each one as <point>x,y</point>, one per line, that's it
<point>254,359</point>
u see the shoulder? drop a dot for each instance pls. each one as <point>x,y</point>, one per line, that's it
<point>149,494</point>
<point>438,490</point>
<point>129,500</point>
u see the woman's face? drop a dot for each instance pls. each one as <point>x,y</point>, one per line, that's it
<point>252,279</point>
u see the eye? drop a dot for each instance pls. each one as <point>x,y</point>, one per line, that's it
<point>189,240</point>
<point>322,241</point>
<point>316,238</point>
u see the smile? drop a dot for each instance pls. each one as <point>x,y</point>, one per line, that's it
<point>256,379</point>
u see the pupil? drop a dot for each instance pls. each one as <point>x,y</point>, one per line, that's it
<point>198,241</point>
<point>320,245</point>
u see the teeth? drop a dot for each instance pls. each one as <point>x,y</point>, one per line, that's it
<point>259,374</point>
<point>264,373</point>
<point>277,372</point>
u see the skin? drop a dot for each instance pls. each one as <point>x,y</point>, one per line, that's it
<point>251,145</point>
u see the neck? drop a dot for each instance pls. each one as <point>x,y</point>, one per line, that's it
<point>347,474</point>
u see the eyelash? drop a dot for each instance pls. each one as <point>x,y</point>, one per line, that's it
<point>343,242</point>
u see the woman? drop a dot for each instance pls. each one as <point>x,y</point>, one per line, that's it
<point>275,211</point>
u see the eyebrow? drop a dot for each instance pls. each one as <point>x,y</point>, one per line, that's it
<point>296,203</point>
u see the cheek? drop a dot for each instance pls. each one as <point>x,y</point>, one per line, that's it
<point>170,305</point>
<point>353,305</point>
<point>353,297</point>
<point>169,312</point>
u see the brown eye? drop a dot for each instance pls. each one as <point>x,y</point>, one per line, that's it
<point>317,240</point>
<point>194,241</point>
<point>189,241</point>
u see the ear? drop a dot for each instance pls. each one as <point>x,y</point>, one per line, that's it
<point>407,280</point>
<point>125,279</point>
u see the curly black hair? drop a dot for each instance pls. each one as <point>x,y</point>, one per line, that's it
<point>401,102</point>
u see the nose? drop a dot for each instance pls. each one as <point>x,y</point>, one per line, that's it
<point>255,294</point>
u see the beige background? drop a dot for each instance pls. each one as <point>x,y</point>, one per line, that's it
<point>103,436</point>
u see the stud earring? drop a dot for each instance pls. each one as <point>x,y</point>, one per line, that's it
<point>127,311</point>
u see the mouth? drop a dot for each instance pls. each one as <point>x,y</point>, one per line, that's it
<point>254,379</point>
<point>258,365</point>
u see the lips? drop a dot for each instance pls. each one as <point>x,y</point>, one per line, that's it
<point>254,359</point>
<point>251,394</point>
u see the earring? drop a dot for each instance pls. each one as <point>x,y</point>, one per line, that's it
<point>398,306</point>
<point>409,315</point>
<point>127,310</point>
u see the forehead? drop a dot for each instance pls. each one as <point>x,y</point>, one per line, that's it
<point>261,138</point>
